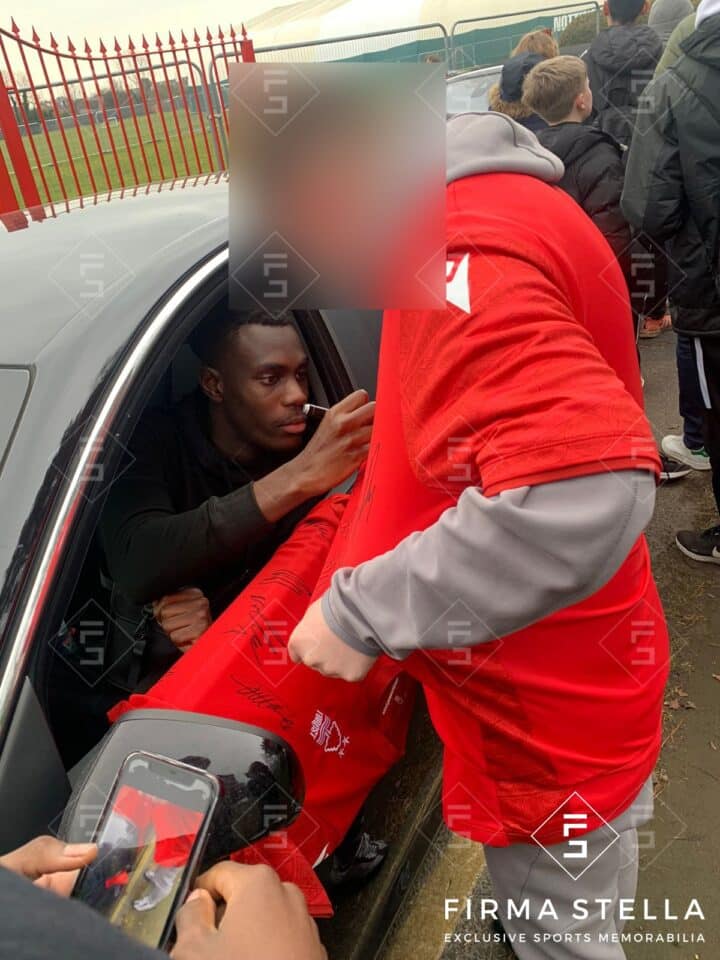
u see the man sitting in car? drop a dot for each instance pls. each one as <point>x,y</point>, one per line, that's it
<point>214,485</point>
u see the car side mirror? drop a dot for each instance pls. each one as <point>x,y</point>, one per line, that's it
<point>261,781</point>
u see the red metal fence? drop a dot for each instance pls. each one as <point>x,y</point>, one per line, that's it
<point>77,123</point>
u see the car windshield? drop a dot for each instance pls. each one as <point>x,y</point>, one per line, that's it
<point>471,94</point>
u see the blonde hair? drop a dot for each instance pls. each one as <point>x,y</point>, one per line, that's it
<point>537,41</point>
<point>551,87</point>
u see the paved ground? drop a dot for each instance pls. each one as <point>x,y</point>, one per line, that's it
<point>681,855</point>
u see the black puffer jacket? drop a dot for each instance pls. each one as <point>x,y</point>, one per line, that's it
<point>594,174</point>
<point>672,182</point>
<point>620,62</point>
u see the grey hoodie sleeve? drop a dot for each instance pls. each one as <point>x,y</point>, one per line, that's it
<point>490,566</point>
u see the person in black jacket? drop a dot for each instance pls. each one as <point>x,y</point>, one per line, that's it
<point>559,91</point>
<point>620,63</point>
<point>209,488</point>
<point>216,483</point>
<point>671,192</point>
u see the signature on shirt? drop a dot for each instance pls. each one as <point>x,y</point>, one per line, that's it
<point>261,698</point>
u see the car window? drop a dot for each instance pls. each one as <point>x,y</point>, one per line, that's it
<point>14,387</point>
<point>471,95</point>
<point>357,337</point>
<point>105,644</point>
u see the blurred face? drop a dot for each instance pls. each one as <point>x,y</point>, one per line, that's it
<point>261,385</point>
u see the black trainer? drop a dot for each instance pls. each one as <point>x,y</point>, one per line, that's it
<point>704,547</point>
<point>673,469</point>
<point>354,867</point>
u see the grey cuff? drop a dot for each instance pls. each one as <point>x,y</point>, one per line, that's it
<point>367,645</point>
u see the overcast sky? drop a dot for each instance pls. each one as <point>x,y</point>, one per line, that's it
<point>80,18</point>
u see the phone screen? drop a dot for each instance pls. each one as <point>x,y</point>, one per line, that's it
<point>148,842</point>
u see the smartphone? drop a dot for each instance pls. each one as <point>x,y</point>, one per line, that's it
<point>151,837</point>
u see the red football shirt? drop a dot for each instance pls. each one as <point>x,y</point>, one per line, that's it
<point>530,376</point>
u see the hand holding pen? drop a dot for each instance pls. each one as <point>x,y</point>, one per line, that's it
<point>339,445</point>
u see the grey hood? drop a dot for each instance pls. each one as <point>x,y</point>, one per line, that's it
<point>493,143</point>
<point>665,15</point>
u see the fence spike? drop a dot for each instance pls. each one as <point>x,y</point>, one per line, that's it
<point>196,37</point>
<point>244,32</point>
<point>35,36</point>
<point>158,41</point>
<point>144,42</point>
<point>171,41</point>
<point>13,26</point>
<point>232,31</point>
<point>71,46</point>
<point>87,46</point>
<point>53,41</point>
<point>183,38</point>
<point>221,35</point>
<point>131,45</point>
<point>102,47</point>
<point>208,35</point>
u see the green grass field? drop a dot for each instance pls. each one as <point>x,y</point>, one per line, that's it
<point>158,156</point>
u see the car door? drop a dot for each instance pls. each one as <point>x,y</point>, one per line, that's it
<point>33,783</point>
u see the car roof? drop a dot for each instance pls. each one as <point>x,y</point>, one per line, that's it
<point>471,74</point>
<point>143,239</point>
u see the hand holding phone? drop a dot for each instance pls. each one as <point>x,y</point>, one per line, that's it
<point>263,918</point>
<point>150,837</point>
<point>50,863</point>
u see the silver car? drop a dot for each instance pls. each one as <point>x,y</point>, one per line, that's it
<point>468,92</point>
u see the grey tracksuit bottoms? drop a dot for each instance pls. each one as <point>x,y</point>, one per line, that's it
<point>582,881</point>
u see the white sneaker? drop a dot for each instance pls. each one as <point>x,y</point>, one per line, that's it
<point>674,446</point>
<point>161,881</point>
